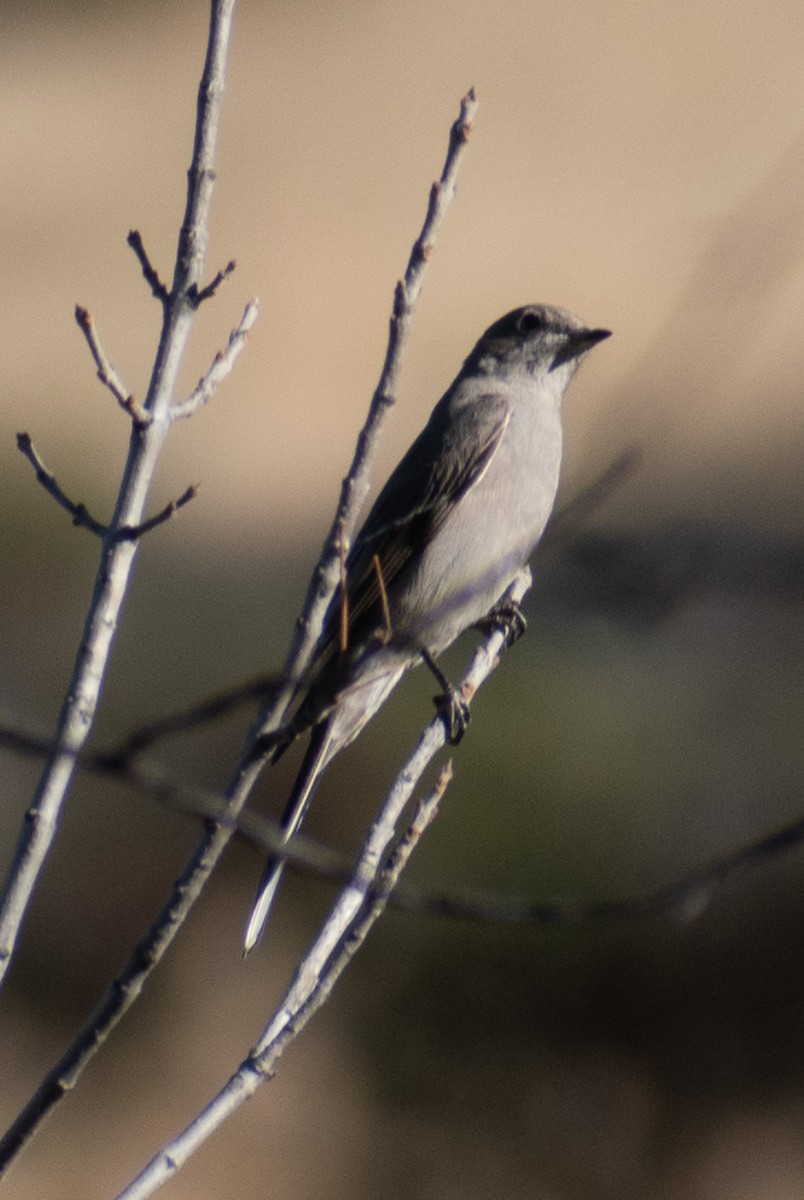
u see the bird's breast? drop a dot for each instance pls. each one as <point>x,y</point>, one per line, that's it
<point>489,534</point>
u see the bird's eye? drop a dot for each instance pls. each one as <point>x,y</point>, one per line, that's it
<point>530,321</point>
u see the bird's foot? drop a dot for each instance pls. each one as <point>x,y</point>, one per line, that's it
<point>450,704</point>
<point>507,616</point>
<point>454,711</point>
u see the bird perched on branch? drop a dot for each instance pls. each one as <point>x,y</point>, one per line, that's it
<point>456,521</point>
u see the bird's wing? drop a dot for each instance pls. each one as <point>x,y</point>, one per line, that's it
<point>447,459</point>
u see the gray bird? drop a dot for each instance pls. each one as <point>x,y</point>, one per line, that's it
<point>456,521</point>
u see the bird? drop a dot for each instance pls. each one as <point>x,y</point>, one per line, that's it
<point>456,521</point>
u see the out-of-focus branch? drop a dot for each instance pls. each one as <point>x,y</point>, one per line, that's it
<point>681,899</point>
<point>565,524</point>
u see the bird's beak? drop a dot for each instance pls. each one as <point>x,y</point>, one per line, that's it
<point>577,343</point>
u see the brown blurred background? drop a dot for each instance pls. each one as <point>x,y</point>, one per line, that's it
<point>639,163</point>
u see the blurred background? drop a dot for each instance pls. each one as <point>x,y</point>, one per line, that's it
<point>639,163</point>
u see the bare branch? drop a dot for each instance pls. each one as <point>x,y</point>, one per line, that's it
<point>199,296</point>
<point>107,374</point>
<point>221,365</point>
<point>325,577</point>
<point>133,532</point>
<point>378,897</point>
<point>117,556</point>
<point>77,510</point>
<point>207,710</point>
<point>156,285</point>
<point>684,899</point>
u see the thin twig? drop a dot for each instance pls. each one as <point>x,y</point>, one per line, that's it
<point>117,554</point>
<point>210,709</point>
<point>206,293</point>
<point>381,893</point>
<point>221,365</point>
<point>133,532</point>
<point>107,374</point>
<point>78,511</point>
<point>156,285</point>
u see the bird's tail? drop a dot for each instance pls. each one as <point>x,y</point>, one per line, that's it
<point>347,715</point>
<point>316,757</point>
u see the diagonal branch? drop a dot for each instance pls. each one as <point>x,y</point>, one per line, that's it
<point>221,365</point>
<point>206,293</point>
<point>355,486</point>
<point>156,285</point>
<point>77,510</point>
<point>207,710</point>
<point>133,532</point>
<point>107,374</point>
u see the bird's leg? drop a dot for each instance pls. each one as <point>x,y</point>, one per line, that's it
<point>507,616</point>
<point>450,704</point>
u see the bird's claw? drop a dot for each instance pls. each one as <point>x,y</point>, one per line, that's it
<point>506,616</point>
<point>454,711</point>
<point>450,704</point>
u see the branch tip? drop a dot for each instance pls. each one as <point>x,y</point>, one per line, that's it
<point>220,367</point>
<point>156,285</point>
<point>131,533</point>
<point>107,373</point>
<point>78,511</point>
<point>463,126</point>
<point>199,295</point>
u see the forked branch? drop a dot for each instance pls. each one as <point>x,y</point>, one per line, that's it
<point>117,552</point>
